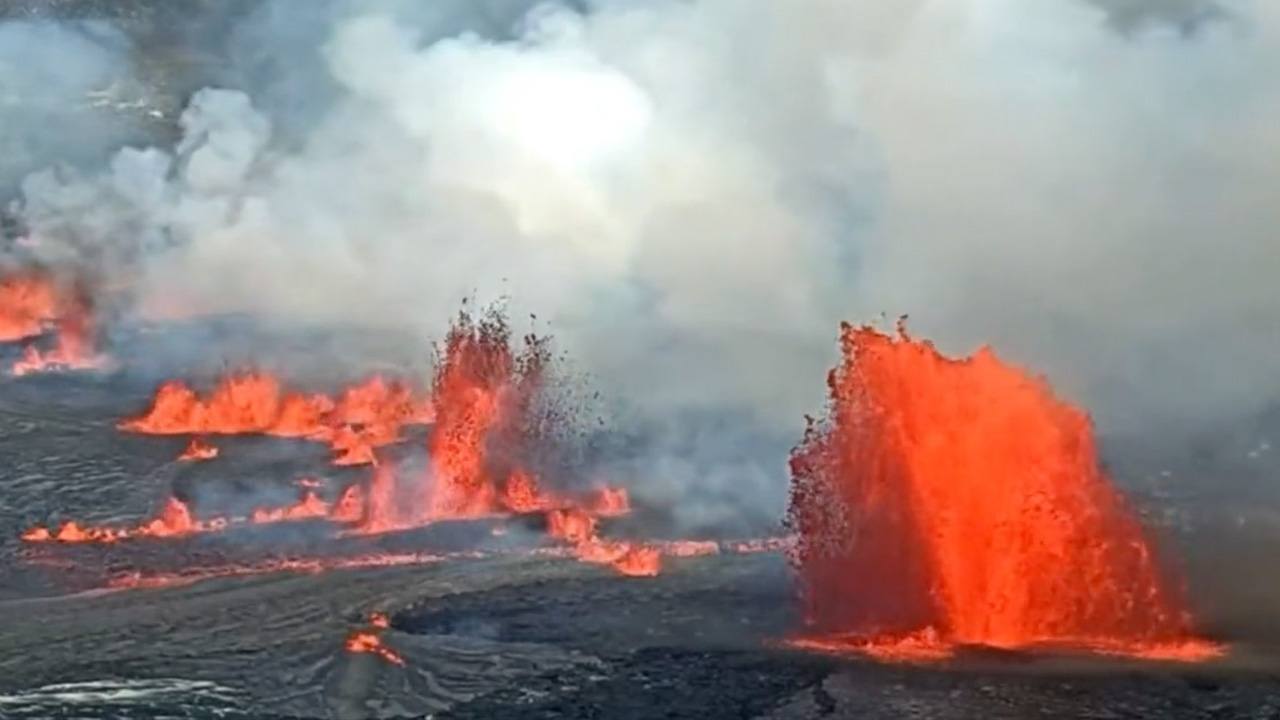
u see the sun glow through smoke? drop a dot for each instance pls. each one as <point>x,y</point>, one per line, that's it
<point>572,116</point>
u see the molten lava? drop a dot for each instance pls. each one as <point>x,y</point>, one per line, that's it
<point>29,302</point>
<point>578,527</point>
<point>366,416</point>
<point>370,640</point>
<point>486,394</point>
<point>474,386</point>
<point>947,502</point>
<point>74,349</point>
<point>362,641</point>
<point>138,579</point>
<point>173,520</point>
<point>492,418</point>
<point>32,303</point>
<point>197,450</point>
<point>176,520</point>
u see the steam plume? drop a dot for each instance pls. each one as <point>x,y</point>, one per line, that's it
<point>694,193</point>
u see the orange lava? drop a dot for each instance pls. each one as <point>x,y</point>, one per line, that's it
<point>367,642</point>
<point>310,507</point>
<point>475,386</point>
<point>487,406</point>
<point>198,449</point>
<point>923,646</point>
<point>485,392</point>
<point>173,520</point>
<point>143,580</point>
<point>577,527</point>
<point>74,349</point>
<point>366,416</point>
<point>690,548</point>
<point>958,502</point>
<point>370,641</point>
<point>29,303</point>
<point>32,303</point>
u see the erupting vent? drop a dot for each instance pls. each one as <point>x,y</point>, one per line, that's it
<point>958,502</point>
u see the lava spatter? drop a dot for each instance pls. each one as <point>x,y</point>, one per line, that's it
<point>369,640</point>
<point>29,302</point>
<point>75,347</point>
<point>578,527</point>
<point>959,502</point>
<point>473,386</point>
<point>173,520</point>
<point>176,520</point>
<point>492,418</point>
<point>366,416</point>
<point>33,303</point>
<point>485,393</point>
<point>198,449</point>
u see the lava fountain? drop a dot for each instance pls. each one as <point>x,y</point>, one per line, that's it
<point>946,502</point>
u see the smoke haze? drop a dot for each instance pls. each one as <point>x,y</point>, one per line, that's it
<point>694,194</point>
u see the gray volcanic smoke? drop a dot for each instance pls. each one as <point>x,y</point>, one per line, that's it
<point>693,194</point>
<point>44,68</point>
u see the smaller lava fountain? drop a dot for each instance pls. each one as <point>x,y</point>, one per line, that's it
<point>954,502</point>
<point>363,417</point>
<point>34,302</point>
<point>29,301</point>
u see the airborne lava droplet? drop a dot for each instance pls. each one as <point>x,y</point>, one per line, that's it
<point>947,502</point>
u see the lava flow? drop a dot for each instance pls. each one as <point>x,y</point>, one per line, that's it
<point>954,502</point>
<point>491,417</point>
<point>578,528</point>
<point>139,579</point>
<point>174,520</point>
<point>365,416</point>
<point>364,641</point>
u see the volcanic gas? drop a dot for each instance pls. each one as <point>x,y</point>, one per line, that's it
<point>946,502</point>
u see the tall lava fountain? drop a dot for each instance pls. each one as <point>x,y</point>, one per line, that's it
<point>958,502</point>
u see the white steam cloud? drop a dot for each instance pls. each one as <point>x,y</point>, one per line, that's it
<point>695,193</point>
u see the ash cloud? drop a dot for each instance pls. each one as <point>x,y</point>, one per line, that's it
<point>693,194</point>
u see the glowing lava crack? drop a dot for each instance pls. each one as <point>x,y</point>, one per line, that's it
<point>369,640</point>
<point>957,502</point>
